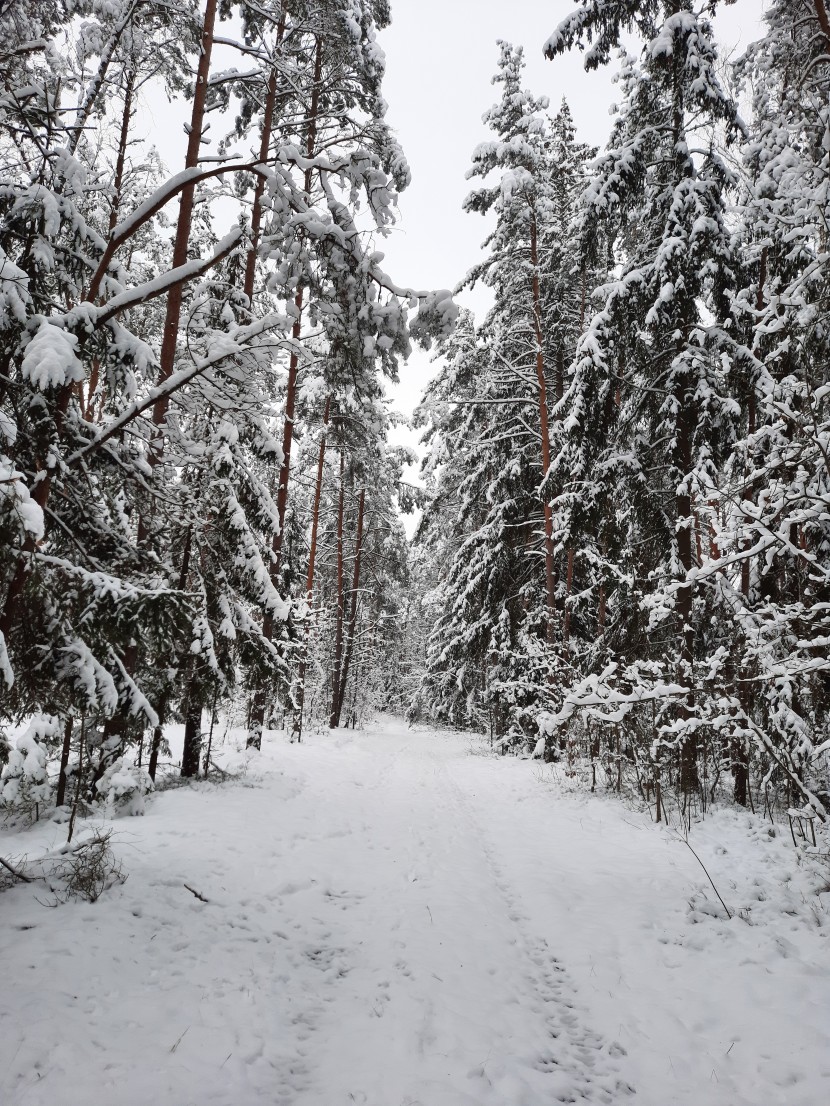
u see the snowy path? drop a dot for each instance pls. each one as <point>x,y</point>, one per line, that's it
<point>451,996</point>
<point>393,922</point>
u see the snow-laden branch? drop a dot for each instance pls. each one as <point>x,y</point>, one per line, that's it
<point>151,289</point>
<point>233,345</point>
<point>103,583</point>
<point>182,274</point>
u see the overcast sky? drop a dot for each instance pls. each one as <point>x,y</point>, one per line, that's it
<point>441,56</point>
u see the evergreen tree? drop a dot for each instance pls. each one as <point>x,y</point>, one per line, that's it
<point>658,341</point>
<point>498,646</point>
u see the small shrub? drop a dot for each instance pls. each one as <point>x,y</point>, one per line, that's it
<point>86,869</point>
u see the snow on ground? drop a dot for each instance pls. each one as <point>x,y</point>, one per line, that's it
<point>393,921</point>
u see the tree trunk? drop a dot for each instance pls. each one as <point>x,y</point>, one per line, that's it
<point>192,751</point>
<point>352,622</point>
<point>120,161</point>
<point>689,781</point>
<point>67,742</point>
<point>291,387</point>
<point>749,490</point>
<point>338,637</point>
<point>264,147</point>
<point>685,595</point>
<point>115,209</point>
<point>297,726</point>
<point>184,224</point>
<point>158,734</point>
<point>152,766</point>
<point>258,703</point>
<point>543,422</point>
<point>824,21</point>
<point>566,625</point>
<point>94,88</point>
<point>740,769</point>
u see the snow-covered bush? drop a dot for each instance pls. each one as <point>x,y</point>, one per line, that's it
<point>25,785</point>
<point>123,787</point>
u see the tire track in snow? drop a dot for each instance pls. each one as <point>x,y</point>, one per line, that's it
<point>583,1065</point>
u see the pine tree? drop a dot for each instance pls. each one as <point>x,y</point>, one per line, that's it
<point>505,612</point>
<point>659,193</point>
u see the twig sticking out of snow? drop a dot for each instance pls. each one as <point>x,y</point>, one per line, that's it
<point>202,898</point>
<point>703,866</point>
<point>176,1045</point>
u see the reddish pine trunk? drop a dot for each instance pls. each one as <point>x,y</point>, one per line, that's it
<point>173,312</point>
<point>185,221</point>
<point>264,147</point>
<point>352,621</point>
<point>309,586</point>
<point>824,21</point>
<point>291,387</point>
<point>258,703</point>
<point>118,179</point>
<point>338,637</point>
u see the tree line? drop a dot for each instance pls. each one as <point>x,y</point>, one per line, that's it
<point>632,548</point>
<point>199,507</point>
<point>623,562</point>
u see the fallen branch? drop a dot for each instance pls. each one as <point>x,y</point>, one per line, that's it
<point>14,871</point>
<point>201,898</point>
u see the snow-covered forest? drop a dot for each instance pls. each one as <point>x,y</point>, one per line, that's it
<point>610,579</point>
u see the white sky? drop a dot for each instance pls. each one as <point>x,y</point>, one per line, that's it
<point>441,55</point>
<point>438,85</point>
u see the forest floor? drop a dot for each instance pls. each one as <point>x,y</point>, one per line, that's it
<point>396,918</point>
